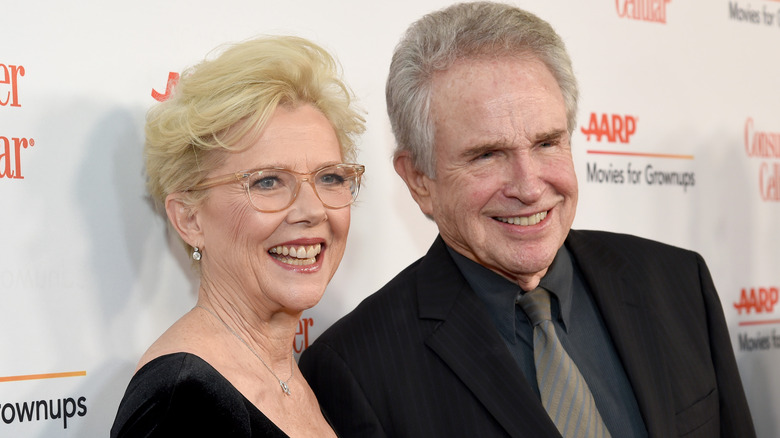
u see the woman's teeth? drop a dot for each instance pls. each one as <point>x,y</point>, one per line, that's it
<point>296,255</point>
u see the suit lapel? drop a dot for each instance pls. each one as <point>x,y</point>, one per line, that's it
<point>626,308</point>
<point>470,345</point>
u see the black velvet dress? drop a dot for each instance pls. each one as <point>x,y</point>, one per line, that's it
<point>180,394</point>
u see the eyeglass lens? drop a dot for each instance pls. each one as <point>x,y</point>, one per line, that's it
<point>275,189</point>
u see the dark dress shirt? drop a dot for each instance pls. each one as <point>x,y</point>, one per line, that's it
<point>578,325</point>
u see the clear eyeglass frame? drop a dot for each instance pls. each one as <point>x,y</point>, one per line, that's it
<point>355,172</point>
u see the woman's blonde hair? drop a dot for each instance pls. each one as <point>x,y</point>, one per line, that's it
<point>220,100</point>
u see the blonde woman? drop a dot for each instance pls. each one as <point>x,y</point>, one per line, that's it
<point>252,160</point>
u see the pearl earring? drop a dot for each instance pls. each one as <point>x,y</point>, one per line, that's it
<point>196,255</point>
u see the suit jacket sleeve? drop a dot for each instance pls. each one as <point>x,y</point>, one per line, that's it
<point>735,419</point>
<point>342,399</point>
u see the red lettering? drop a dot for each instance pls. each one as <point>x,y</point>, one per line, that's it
<point>645,10</point>
<point>745,302</point>
<point>606,129</point>
<point>771,297</point>
<point>630,127</point>
<point>592,128</point>
<point>303,330</point>
<point>612,126</point>
<point>173,79</point>
<point>617,128</point>
<point>622,13</point>
<point>761,300</point>
<point>761,144</point>
<point>11,78</point>
<point>6,156</point>
<point>769,181</point>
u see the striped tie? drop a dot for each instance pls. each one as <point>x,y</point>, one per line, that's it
<point>565,395</point>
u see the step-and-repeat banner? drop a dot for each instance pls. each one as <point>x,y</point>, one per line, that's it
<point>678,141</point>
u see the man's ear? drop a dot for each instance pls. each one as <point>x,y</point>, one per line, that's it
<point>184,219</point>
<point>416,181</point>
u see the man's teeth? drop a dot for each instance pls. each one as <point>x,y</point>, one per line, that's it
<point>524,220</point>
<point>297,255</point>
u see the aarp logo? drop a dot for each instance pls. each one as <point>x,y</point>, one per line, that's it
<point>758,300</point>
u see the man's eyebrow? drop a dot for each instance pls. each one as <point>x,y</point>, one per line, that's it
<point>550,135</point>
<point>478,150</point>
<point>497,145</point>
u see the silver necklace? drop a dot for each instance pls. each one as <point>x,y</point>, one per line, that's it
<point>282,383</point>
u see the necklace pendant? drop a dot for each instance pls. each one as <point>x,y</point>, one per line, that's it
<point>285,388</point>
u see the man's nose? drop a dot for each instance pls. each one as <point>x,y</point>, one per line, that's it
<point>524,179</point>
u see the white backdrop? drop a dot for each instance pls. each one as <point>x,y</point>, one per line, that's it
<point>684,93</point>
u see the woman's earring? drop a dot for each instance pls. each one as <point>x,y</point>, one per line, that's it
<point>196,255</point>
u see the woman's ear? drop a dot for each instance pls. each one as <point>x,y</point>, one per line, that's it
<point>184,219</point>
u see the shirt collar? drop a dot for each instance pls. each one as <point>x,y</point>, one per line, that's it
<point>499,294</point>
<point>496,292</point>
<point>558,281</point>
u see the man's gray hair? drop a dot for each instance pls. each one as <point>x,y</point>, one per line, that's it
<point>465,30</point>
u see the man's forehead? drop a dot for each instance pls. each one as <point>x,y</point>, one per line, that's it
<point>483,85</point>
<point>463,64</point>
<point>463,79</point>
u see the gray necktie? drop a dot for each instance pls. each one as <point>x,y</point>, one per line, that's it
<point>565,395</point>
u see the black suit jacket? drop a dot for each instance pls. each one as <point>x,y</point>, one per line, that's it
<point>422,358</point>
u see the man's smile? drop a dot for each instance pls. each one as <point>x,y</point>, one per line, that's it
<point>523,220</point>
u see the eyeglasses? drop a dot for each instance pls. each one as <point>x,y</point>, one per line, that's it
<point>274,189</point>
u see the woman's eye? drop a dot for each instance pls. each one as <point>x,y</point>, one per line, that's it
<point>266,183</point>
<point>331,179</point>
